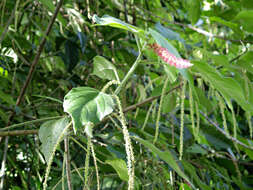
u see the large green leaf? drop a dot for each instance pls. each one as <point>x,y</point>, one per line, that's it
<point>193,8</point>
<point>120,166</point>
<point>50,133</point>
<point>227,86</point>
<point>114,22</point>
<point>165,156</point>
<point>246,62</point>
<point>87,105</point>
<point>245,19</point>
<point>231,25</point>
<point>104,69</point>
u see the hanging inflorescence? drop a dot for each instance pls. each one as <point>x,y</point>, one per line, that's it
<point>170,58</point>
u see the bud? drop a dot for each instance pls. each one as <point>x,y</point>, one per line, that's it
<point>170,58</point>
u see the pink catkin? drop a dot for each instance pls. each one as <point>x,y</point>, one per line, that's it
<point>170,58</point>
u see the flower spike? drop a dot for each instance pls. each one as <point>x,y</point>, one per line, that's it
<point>170,58</point>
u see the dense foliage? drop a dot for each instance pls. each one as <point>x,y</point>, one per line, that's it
<point>126,94</point>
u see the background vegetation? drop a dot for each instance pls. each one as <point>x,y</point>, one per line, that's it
<point>64,127</point>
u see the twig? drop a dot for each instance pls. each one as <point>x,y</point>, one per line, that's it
<point>18,133</point>
<point>66,146</point>
<point>224,133</point>
<point>36,59</point>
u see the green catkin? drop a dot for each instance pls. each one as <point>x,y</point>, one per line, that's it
<point>248,115</point>
<point>154,110</point>
<point>198,118</point>
<point>147,116</point>
<point>95,164</point>
<point>109,84</point>
<point>246,80</point>
<point>159,110</point>
<point>222,109</point>
<point>234,126</point>
<point>200,83</point>
<point>87,161</point>
<point>234,123</point>
<point>182,122</point>
<point>192,111</point>
<point>128,146</point>
<point>52,155</point>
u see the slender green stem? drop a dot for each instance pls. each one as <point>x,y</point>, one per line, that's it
<point>130,72</point>
<point>30,122</point>
<point>160,109</point>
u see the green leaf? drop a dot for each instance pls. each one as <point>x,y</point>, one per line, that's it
<point>245,62</point>
<point>184,186</point>
<point>3,72</point>
<point>87,105</point>
<point>107,20</point>
<point>163,42</point>
<point>227,86</point>
<point>248,4</point>
<point>6,98</point>
<point>168,33</point>
<point>245,19</point>
<point>191,171</point>
<point>169,103</point>
<point>49,4</point>
<point>49,134</point>
<point>71,55</point>
<point>193,8</point>
<point>3,116</point>
<point>195,148</point>
<point>231,25</point>
<point>120,166</point>
<point>104,69</point>
<point>165,156</point>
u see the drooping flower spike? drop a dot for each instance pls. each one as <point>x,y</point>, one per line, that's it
<point>170,58</point>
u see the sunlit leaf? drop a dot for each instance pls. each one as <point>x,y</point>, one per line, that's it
<point>104,69</point>
<point>120,166</point>
<point>87,105</point>
<point>245,19</point>
<point>114,22</point>
<point>49,134</point>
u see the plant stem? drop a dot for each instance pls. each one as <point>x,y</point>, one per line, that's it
<point>130,72</point>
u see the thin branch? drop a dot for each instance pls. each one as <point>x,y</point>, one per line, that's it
<point>224,133</point>
<point>36,59</point>
<point>66,147</point>
<point>18,133</point>
<point>130,72</point>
